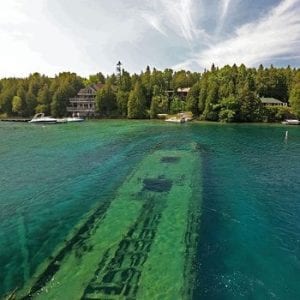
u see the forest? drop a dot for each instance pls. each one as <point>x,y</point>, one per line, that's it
<point>227,94</point>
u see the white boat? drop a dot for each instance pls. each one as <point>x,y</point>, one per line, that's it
<point>40,118</point>
<point>74,119</point>
<point>180,118</point>
<point>176,120</point>
<point>291,122</point>
<point>62,120</point>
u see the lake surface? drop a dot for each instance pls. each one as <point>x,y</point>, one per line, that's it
<point>243,180</point>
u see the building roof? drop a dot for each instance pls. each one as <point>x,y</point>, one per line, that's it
<point>92,89</point>
<point>97,86</point>
<point>270,101</point>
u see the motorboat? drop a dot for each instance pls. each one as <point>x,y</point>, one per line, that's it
<point>291,122</point>
<point>40,118</point>
<point>176,120</point>
<point>180,118</point>
<point>62,120</point>
<point>74,119</point>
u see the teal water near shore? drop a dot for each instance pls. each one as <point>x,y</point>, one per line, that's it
<point>249,230</point>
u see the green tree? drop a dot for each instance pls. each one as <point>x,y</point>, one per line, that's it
<point>44,100</point>
<point>193,99</point>
<point>202,93</point>
<point>64,86</point>
<point>146,83</point>
<point>60,100</point>
<point>31,103</point>
<point>93,79</point>
<point>137,103</point>
<point>180,80</point>
<point>106,101</point>
<point>122,102</point>
<point>250,106</point>
<point>17,105</point>
<point>211,104</point>
<point>167,77</point>
<point>8,91</point>
<point>277,113</point>
<point>294,98</point>
<point>159,103</point>
<point>125,82</point>
<point>177,105</point>
<point>22,94</point>
<point>157,79</point>
<point>229,107</point>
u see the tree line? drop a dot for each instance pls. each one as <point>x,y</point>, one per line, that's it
<point>228,94</point>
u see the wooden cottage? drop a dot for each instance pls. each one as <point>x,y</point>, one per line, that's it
<point>183,92</point>
<point>84,103</point>
<point>272,102</point>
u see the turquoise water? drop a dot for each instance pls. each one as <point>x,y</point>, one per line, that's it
<point>249,245</point>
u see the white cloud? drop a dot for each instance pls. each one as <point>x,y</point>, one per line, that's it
<point>30,42</point>
<point>11,14</point>
<point>186,65</point>
<point>88,36</point>
<point>155,22</point>
<point>176,17</point>
<point>276,34</point>
<point>225,5</point>
<point>181,17</point>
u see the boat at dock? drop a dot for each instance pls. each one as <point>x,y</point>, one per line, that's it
<point>74,119</point>
<point>40,118</point>
<point>291,122</point>
<point>180,118</point>
<point>176,120</point>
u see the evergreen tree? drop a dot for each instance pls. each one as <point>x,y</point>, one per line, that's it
<point>157,79</point>
<point>168,76</point>
<point>106,101</point>
<point>22,95</point>
<point>250,106</point>
<point>193,99</point>
<point>60,100</point>
<point>294,99</point>
<point>146,83</point>
<point>137,103</point>
<point>219,91</point>
<point>93,79</point>
<point>159,103</point>
<point>229,108</point>
<point>31,103</point>
<point>211,103</point>
<point>125,82</point>
<point>180,80</point>
<point>17,105</point>
<point>122,102</point>
<point>202,93</point>
<point>177,105</point>
<point>44,100</point>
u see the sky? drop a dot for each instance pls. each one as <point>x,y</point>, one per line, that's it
<point>90,36</point>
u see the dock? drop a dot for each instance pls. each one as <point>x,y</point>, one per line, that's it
<point>15,120</point>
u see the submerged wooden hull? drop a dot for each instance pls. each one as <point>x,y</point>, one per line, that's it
<point>140,245</point>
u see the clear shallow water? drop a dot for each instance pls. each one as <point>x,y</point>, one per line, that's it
<point>250,227</point>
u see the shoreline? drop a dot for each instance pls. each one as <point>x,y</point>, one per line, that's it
<point>197,121</point>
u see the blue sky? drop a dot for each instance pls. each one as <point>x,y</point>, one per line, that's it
<point>88,36</point>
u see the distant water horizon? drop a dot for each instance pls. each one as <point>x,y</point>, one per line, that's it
<point>248,243</point>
